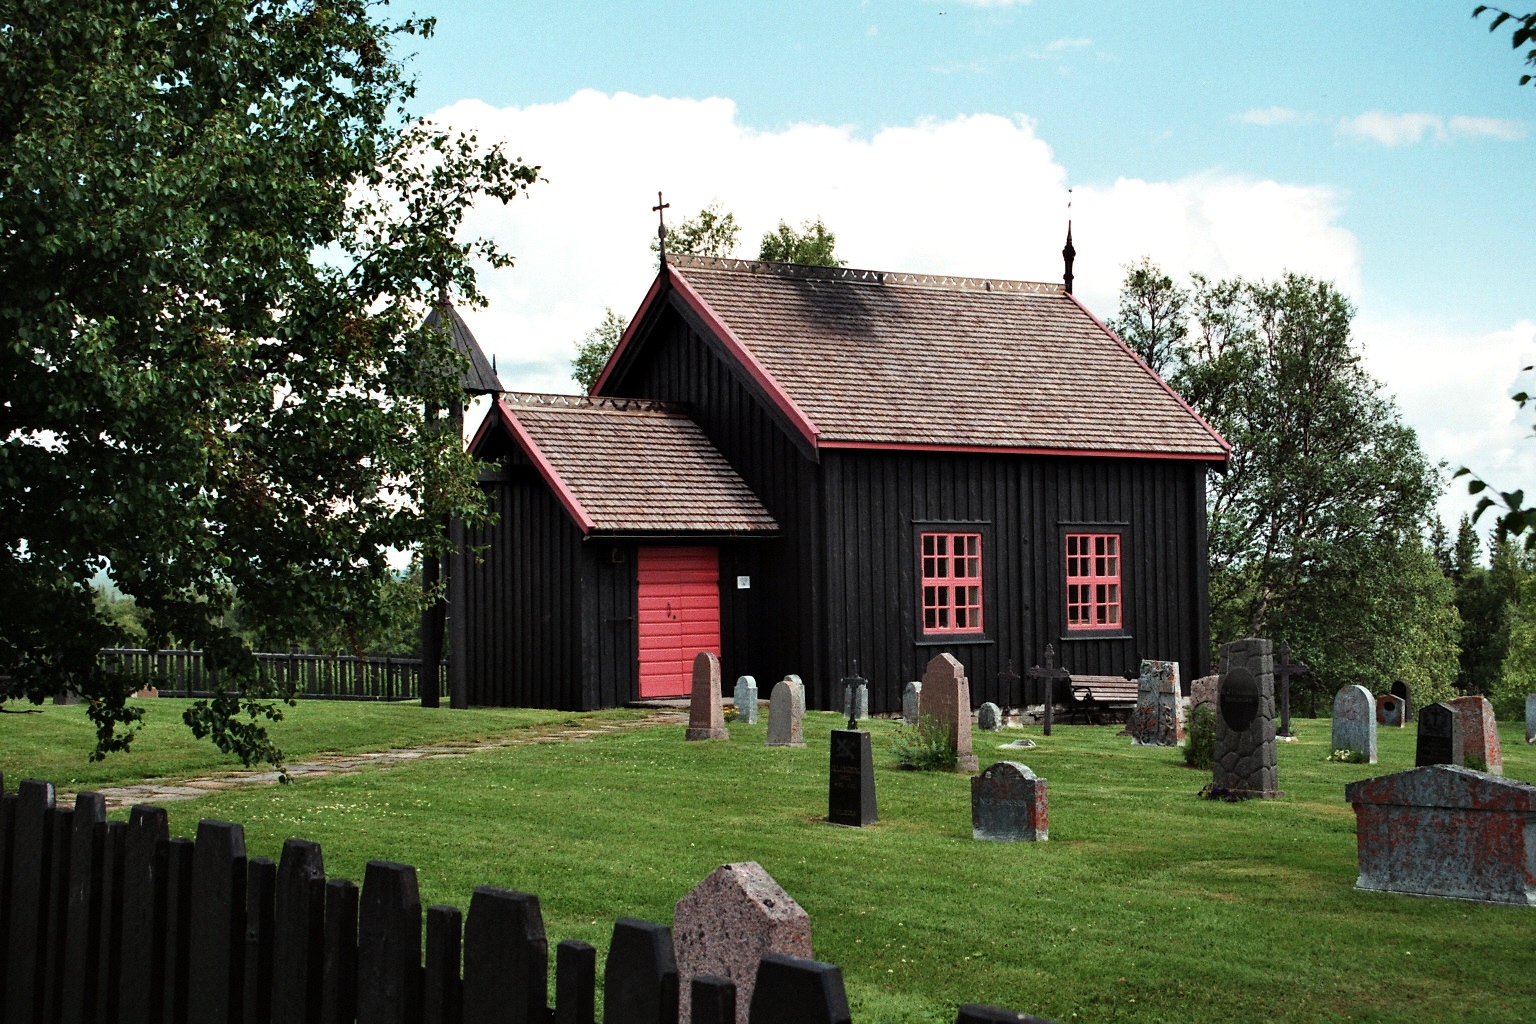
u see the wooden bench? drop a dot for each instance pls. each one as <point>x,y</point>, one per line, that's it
<point>1094,697</point>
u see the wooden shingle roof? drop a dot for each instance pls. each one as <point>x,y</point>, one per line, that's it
<point>632,466</point>
<point>870,359</point>
<point>479,377</point>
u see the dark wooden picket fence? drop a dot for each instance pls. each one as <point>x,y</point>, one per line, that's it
<point>181,673</point>
<point>117,923</point>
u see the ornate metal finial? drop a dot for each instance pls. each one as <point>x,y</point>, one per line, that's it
<point>661,228</point>
<point>1069,253</point>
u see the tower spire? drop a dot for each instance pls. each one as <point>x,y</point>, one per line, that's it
<point>1069,253</point>
<point>661,230</point>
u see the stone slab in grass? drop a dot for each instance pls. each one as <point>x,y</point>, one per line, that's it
<point>1445,830</point>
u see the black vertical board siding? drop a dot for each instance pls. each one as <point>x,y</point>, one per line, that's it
<point>389,945</point>
<point>114,837</point>
<point>442,991</point>
<point>179,856</point>
<point>575,982</point>
<point>338,1002</point>
<point>55,946</point>
<point>141,975</point>
<point>260,923</point>
<point>31,856</point>
<point>215,992</point>
<point>298,921</point>
<point>7,830</point>
<point>506,958</point>
<point>82,916</point>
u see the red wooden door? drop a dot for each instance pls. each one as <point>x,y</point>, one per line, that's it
<point>679,615</point>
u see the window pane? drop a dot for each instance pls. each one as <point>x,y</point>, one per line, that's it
<point>927,543</point>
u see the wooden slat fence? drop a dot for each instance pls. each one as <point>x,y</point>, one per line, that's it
<point>179,673</point>
<point>118,923</point>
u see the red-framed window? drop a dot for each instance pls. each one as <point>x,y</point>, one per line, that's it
<point>1093,581</point>
<point>952,583</point>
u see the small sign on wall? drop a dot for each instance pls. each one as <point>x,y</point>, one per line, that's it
<point>743,582</point>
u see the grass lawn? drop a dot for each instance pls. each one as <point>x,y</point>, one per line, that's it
<point>54,743</point>
<point>1147,904</point>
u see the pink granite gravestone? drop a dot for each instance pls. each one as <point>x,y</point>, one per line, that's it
<point>1445,830</point>
<point>706,714</point>
<point>1391,711</point>
<point>726,924</point>
<point>946,699</point>
<point>1479,734</point>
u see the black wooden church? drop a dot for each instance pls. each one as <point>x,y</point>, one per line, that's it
<point>808,469</point>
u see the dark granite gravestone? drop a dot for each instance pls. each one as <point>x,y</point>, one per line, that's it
<point>989,717</point>
<point>851,792</point>
<point>1009,804</point>
<point>1401,689</point>
<point>1245,721</point>
<point>1439,736</point>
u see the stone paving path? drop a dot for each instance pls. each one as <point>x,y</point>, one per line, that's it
<point>153,792</point>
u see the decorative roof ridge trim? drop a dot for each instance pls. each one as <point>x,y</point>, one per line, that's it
<point>629,332</point>
<point>744,356</point>
<point>533,398</point>
<point>802,272</point>
<point>573,506</point>
<point>1226,446</point>
<point>1002,449</point>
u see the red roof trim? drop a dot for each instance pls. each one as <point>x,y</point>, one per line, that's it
<point>992,449</point>
<point>1226,446</point>
<point>734,345</point>
<point>573,505</point>
<point>629,333</point>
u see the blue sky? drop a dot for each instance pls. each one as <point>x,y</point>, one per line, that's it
<point>1387,146</point>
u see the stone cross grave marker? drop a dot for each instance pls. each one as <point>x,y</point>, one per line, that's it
<point>1390,711</point>
<point>989,717</point>
<point>1047,676</point>
<point>1479,734</point>
<point>1439,740</point>
<point>786,713</point>
<point>1444,830</point>
<point>1530,718</point>
<point>1403,690</point>
<point>911,697</point>
<point>1009,684</point>
<point>851,779</point>
<point>1245,720</point>
<point>1158,718</point>
<point>1354,721</point>
<point>727,922</point>
<point>706,713</point>
<point>855,697</point>
<point>946,699</point>
<point>746,700</point>
<point>1009,804</point>
<point>1285,669</point>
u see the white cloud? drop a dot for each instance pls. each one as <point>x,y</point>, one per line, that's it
<point>979,195</point>
<point>1488,127</point>
<point>1272,116</point>
<point>1399,129</point>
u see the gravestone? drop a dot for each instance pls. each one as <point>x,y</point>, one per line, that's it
<point>786,712</point>
<point>1405,692</point>
<point>1445,830</point>
<point>1530,718</point>
<point>706,714</point>
<point>1479,734</point>
<point>727,922</point>
<point>910,698</point>
<point>946,699</point>
<point>1439,739</point>
<point>1354,721</point>
<point>746,700</point>
<point>1245,721</point>
<point>1009,805</point>
<point>1389,711</point>
<point>1158,718</point>
<point>851,781</point>
<point>989,718</point>
<point>1203,691</point>
<point>855,698</point>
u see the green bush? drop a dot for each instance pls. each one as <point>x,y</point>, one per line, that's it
<point>1200,738</point>
<point>924,747</point>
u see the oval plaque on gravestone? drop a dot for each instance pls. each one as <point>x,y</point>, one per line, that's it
<point>1239,699</point>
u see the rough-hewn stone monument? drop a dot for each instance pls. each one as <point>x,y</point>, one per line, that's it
<point>1158,718</point>
<point>989,717</point>
<point>1439,739</point>
<point>746,700</point>
<point>1203,691</point>
<point>911,697</point>
<point>1445,830</point>
<point>1009,804</point>
<point>1354,721</point>
<point>727,922</point>
<point>1245,721</point>
<point>706,713</point>
<point>1479,734</point>
<point>946,700</point>
<point>786,713</point>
